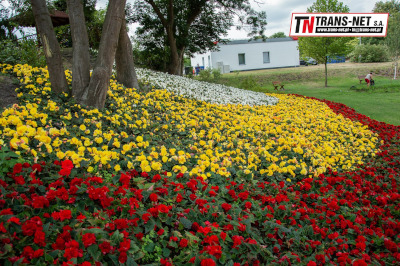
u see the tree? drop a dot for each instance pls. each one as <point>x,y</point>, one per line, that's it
<point>94,22</point>
<point>280,34</point>
<point>321,48</point>
<point>50,46</point>
<point>393,39</point>
<point>392,7</point>
<point>191,26</point>
<point>91,91</point>
<point>8,26</point>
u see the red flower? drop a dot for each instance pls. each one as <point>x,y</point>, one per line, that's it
<point>212,193</point>
<point>243,195</point>
<point>81,217</point>
<point>333,235</point>
<point>124,179</point>
<point>66,167</point>
<point>14,220</point>
<point>247,205</point>
<point>139,236</point>
<point>208,262</point>
<point>165,262</point>
<point>160,232</point>
<point>2,228</point>
<point>311,263</point>
<point>6,212</point>
<point>62,215</point>
<point>31,226</point>
<point>88,239</point>
<point>320,258</point>
<point>40,238</point>
<point>125,245</point>
<point>122,257</point>
<point>17,168</point>
<point>105,247</point>
<point>183,243</point>
<point>390,245</point>
<point>179,198</point>
<point>237,241</point>
<point>226,206</point>
<point>39,202</point>
<point>153,197</point>
<point>360,263</point>
<point>223,235</point>
<point>163,208</point>
<point>72,250</point>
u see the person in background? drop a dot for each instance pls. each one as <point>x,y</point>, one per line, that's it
<point>368,79</point>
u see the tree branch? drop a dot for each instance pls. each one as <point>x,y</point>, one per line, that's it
<point>197,10</point>
<point>158,12</point>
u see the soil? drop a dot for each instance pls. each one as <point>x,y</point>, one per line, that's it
<point>8,96</point>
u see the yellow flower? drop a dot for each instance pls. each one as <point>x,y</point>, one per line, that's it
<point>117,168</point>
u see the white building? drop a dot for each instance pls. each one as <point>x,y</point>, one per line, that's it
<point>244,55</point>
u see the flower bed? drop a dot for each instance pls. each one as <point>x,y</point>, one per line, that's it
<point>167,180</point>
<point>204,91</point>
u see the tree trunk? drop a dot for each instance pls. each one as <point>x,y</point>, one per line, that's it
<point>173,67</point>
<point>80,40</point>
<point>50,46</point>
<point>95,94</point>
<point>326,72</point>
<point>126,73</point>
<point>181,62</point>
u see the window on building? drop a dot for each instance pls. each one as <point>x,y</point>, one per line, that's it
<point>209,61</point>
<point>242,60</point>
<point>202,60</point>
<point>266,57</point>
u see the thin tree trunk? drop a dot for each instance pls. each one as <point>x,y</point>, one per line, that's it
<point>125,66</point>
<point>326,72</point>
<point>95,94</point>
<point>81,58</point>
<point>50,46</point>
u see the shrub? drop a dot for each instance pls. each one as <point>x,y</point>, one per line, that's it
<point>22,52</point>
<point>249,83</point>
<point>210,74</point>
<point>205,75</point>
<point>367,53</point>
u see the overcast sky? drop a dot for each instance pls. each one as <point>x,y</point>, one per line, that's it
<point>279,13</point>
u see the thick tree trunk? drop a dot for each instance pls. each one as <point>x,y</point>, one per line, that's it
<point>50,46</point>
<point>126,73</point>
<point>174,63</point>
<point>95,94</point>
<point>81,58</point>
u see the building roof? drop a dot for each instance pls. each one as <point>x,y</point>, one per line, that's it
<point>287,39</point>
<point>58,18</point>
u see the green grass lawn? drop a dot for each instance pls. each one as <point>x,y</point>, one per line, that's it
<point>380,102</point>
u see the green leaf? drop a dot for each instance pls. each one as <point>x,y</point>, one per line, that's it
<point>130,261</point>
<point>48,258</point>
<point>186,223</point>
<point>150,247</point>
<point>149,226</point>
<point>166,252</point>
<point>96,231</point>
<point>93,251</point>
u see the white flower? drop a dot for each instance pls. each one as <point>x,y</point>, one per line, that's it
<point>204,91</point>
